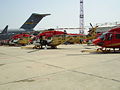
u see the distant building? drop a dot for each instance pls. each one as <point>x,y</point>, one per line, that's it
<point>106,28</point>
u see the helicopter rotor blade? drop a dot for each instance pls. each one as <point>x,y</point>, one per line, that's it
<point>91,25</point>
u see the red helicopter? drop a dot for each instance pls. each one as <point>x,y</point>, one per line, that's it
<point>49,38</point>
<point>20,39</point>
<point>109,39</point>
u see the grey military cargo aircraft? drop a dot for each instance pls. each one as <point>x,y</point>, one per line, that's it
<point>28,26</point>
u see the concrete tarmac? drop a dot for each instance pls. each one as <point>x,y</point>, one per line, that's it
<point>65,68</point>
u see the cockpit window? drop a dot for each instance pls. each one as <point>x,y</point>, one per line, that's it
<point>106,36</point>
<point>103,36</point>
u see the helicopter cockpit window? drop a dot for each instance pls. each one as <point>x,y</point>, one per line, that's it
<point>103,36</point>
<point>118,36</point>
<point>106,36</point>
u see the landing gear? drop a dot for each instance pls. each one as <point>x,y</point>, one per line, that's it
<point>54,47</point>
<point>103,50</point>
<point>37,47</point>
<point>107,50</point>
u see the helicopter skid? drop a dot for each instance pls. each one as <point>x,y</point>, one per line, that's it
<point>107,50</point>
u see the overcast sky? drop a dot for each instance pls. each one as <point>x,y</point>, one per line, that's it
<point>64,13</point>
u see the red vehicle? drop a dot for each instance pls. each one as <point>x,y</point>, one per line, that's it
<point>109,39</point>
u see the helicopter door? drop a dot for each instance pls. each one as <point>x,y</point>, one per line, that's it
<point>117,39</point>
<point>108,39</point>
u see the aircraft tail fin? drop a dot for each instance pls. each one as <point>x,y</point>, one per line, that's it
<point>32,21</point>
<point>5,30</point>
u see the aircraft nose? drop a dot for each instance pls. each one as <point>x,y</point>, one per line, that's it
<point>98,42</point>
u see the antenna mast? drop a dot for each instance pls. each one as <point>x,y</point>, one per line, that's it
<point>81,22</point>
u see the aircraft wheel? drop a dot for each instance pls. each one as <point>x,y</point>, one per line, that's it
<point>53,47</point>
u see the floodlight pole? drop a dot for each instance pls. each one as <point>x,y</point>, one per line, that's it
<point>81,21</point>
